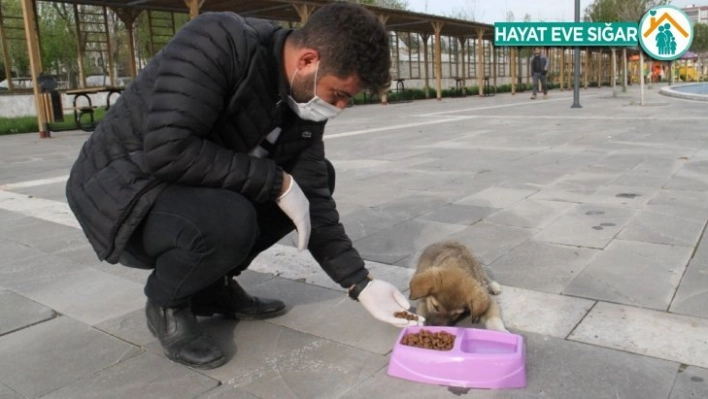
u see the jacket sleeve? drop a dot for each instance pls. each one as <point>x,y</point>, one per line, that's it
<point>198,70</point>
<point>329,244</point>
<point>546,64</point>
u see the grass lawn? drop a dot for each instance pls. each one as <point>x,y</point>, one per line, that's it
<point>28,124</point>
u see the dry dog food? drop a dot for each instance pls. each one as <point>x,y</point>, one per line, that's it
<point>405,315</point>
<point>442,341</point>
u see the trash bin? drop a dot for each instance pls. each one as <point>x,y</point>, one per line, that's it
<point>48,84</point>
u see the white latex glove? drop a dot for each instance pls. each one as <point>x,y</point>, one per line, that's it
<point>382,300</point>
<point>294,203</point>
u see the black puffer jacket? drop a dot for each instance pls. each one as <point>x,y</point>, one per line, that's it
<point>190,118</point>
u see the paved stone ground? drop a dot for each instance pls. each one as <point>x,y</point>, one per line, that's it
<point>592,219</point>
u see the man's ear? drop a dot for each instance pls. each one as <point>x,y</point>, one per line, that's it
<point>423,284</point>
<point>306,57</point>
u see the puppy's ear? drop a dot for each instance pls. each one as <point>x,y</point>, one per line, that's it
<point>423,284</point>
<point>478,301</point>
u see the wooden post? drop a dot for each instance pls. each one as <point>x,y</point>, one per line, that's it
<point>437,27</point>
<point>463,72</point>
<point>480,62</point>
<point>305,10</point>
<point>194,6</point>
<point>109,49</point>
<point>382,18</point>
<point>494,66</point>
<point>5,53</point>
<point>30,22</point>
<point>128,17</point>
<point>599,69</point>
<point>151,34</point>
<point>425,38</point>
<point>561,77</point>
<point>613,72</point>
<point>586,69</point>
<point>80,47</point>
<point>624,69</point>
<point>410,55</point>
<point>512,69</point>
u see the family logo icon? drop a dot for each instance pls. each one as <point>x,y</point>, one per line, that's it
<point>666,33</point>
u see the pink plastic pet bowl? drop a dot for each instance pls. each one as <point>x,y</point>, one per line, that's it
<point>478,359</point>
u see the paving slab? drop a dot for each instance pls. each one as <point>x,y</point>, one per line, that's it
<point>18,312</point>
<point>693,176</point>
<point>28,273</point>
<point>402,240</point>
<point>368,195</point>
<point>527,311</point>
<point>542,266</point>
<point>88,295</point>
<point>591,226</point>
<point>531,213</point>
<point>130,327</point>
<point>367,221</point>
<point>145,376</point>
<point>53,354</point>
<point>691,382</point>
<point>13,252</point>
<point>7,393</point>
<point>661,228</point>
<point>286,262</point>
<point>54,191</point>
<point>692,294</point>
<point>489,241</point>
<point>646,332</point>
<point>226,392</point>
<point>328,314</point>
<point>496,197</point>
<point>271,361</point>
<point>131,274</point>
<point>633,273</point>
<point>586,181</point>
<point>459,214</point>
<point>694,200</point>
<point>555,368</point>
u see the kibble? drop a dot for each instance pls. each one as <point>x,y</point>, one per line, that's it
<point>442,341</point>
<point>406,315</point>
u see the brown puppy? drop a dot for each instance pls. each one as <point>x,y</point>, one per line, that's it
<point>449,281</point>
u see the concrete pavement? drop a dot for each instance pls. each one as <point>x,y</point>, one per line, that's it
<point>592,220</point>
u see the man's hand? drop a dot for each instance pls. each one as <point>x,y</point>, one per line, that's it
<point>382,300</point>
<point>294,203</point>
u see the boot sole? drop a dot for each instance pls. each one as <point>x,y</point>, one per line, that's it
<point>207,312</point>
<point>206,366</point>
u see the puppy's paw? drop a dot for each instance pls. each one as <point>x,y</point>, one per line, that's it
<point>494,287</point>
<point>495,324</point>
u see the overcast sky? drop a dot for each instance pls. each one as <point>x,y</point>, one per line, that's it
<point>490,11</point>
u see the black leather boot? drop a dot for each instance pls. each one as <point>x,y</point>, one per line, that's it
<point>226,297</point>
<point>181,337</point>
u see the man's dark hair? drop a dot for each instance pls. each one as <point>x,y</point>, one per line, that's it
<point>350,41</point>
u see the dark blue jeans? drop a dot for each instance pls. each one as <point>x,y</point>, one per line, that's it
<point>194,236</point>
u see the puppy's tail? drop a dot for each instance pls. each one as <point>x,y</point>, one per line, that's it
<point>492,319</point>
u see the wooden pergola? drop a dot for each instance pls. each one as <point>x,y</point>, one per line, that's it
<point>295,11</point>
<point>279,10</point>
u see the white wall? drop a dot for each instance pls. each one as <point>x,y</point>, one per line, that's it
<point>14,105</point>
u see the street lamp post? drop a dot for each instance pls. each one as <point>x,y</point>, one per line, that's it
<point>576,64</point>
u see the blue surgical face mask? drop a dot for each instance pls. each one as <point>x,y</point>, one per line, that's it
<point>317,109</point>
